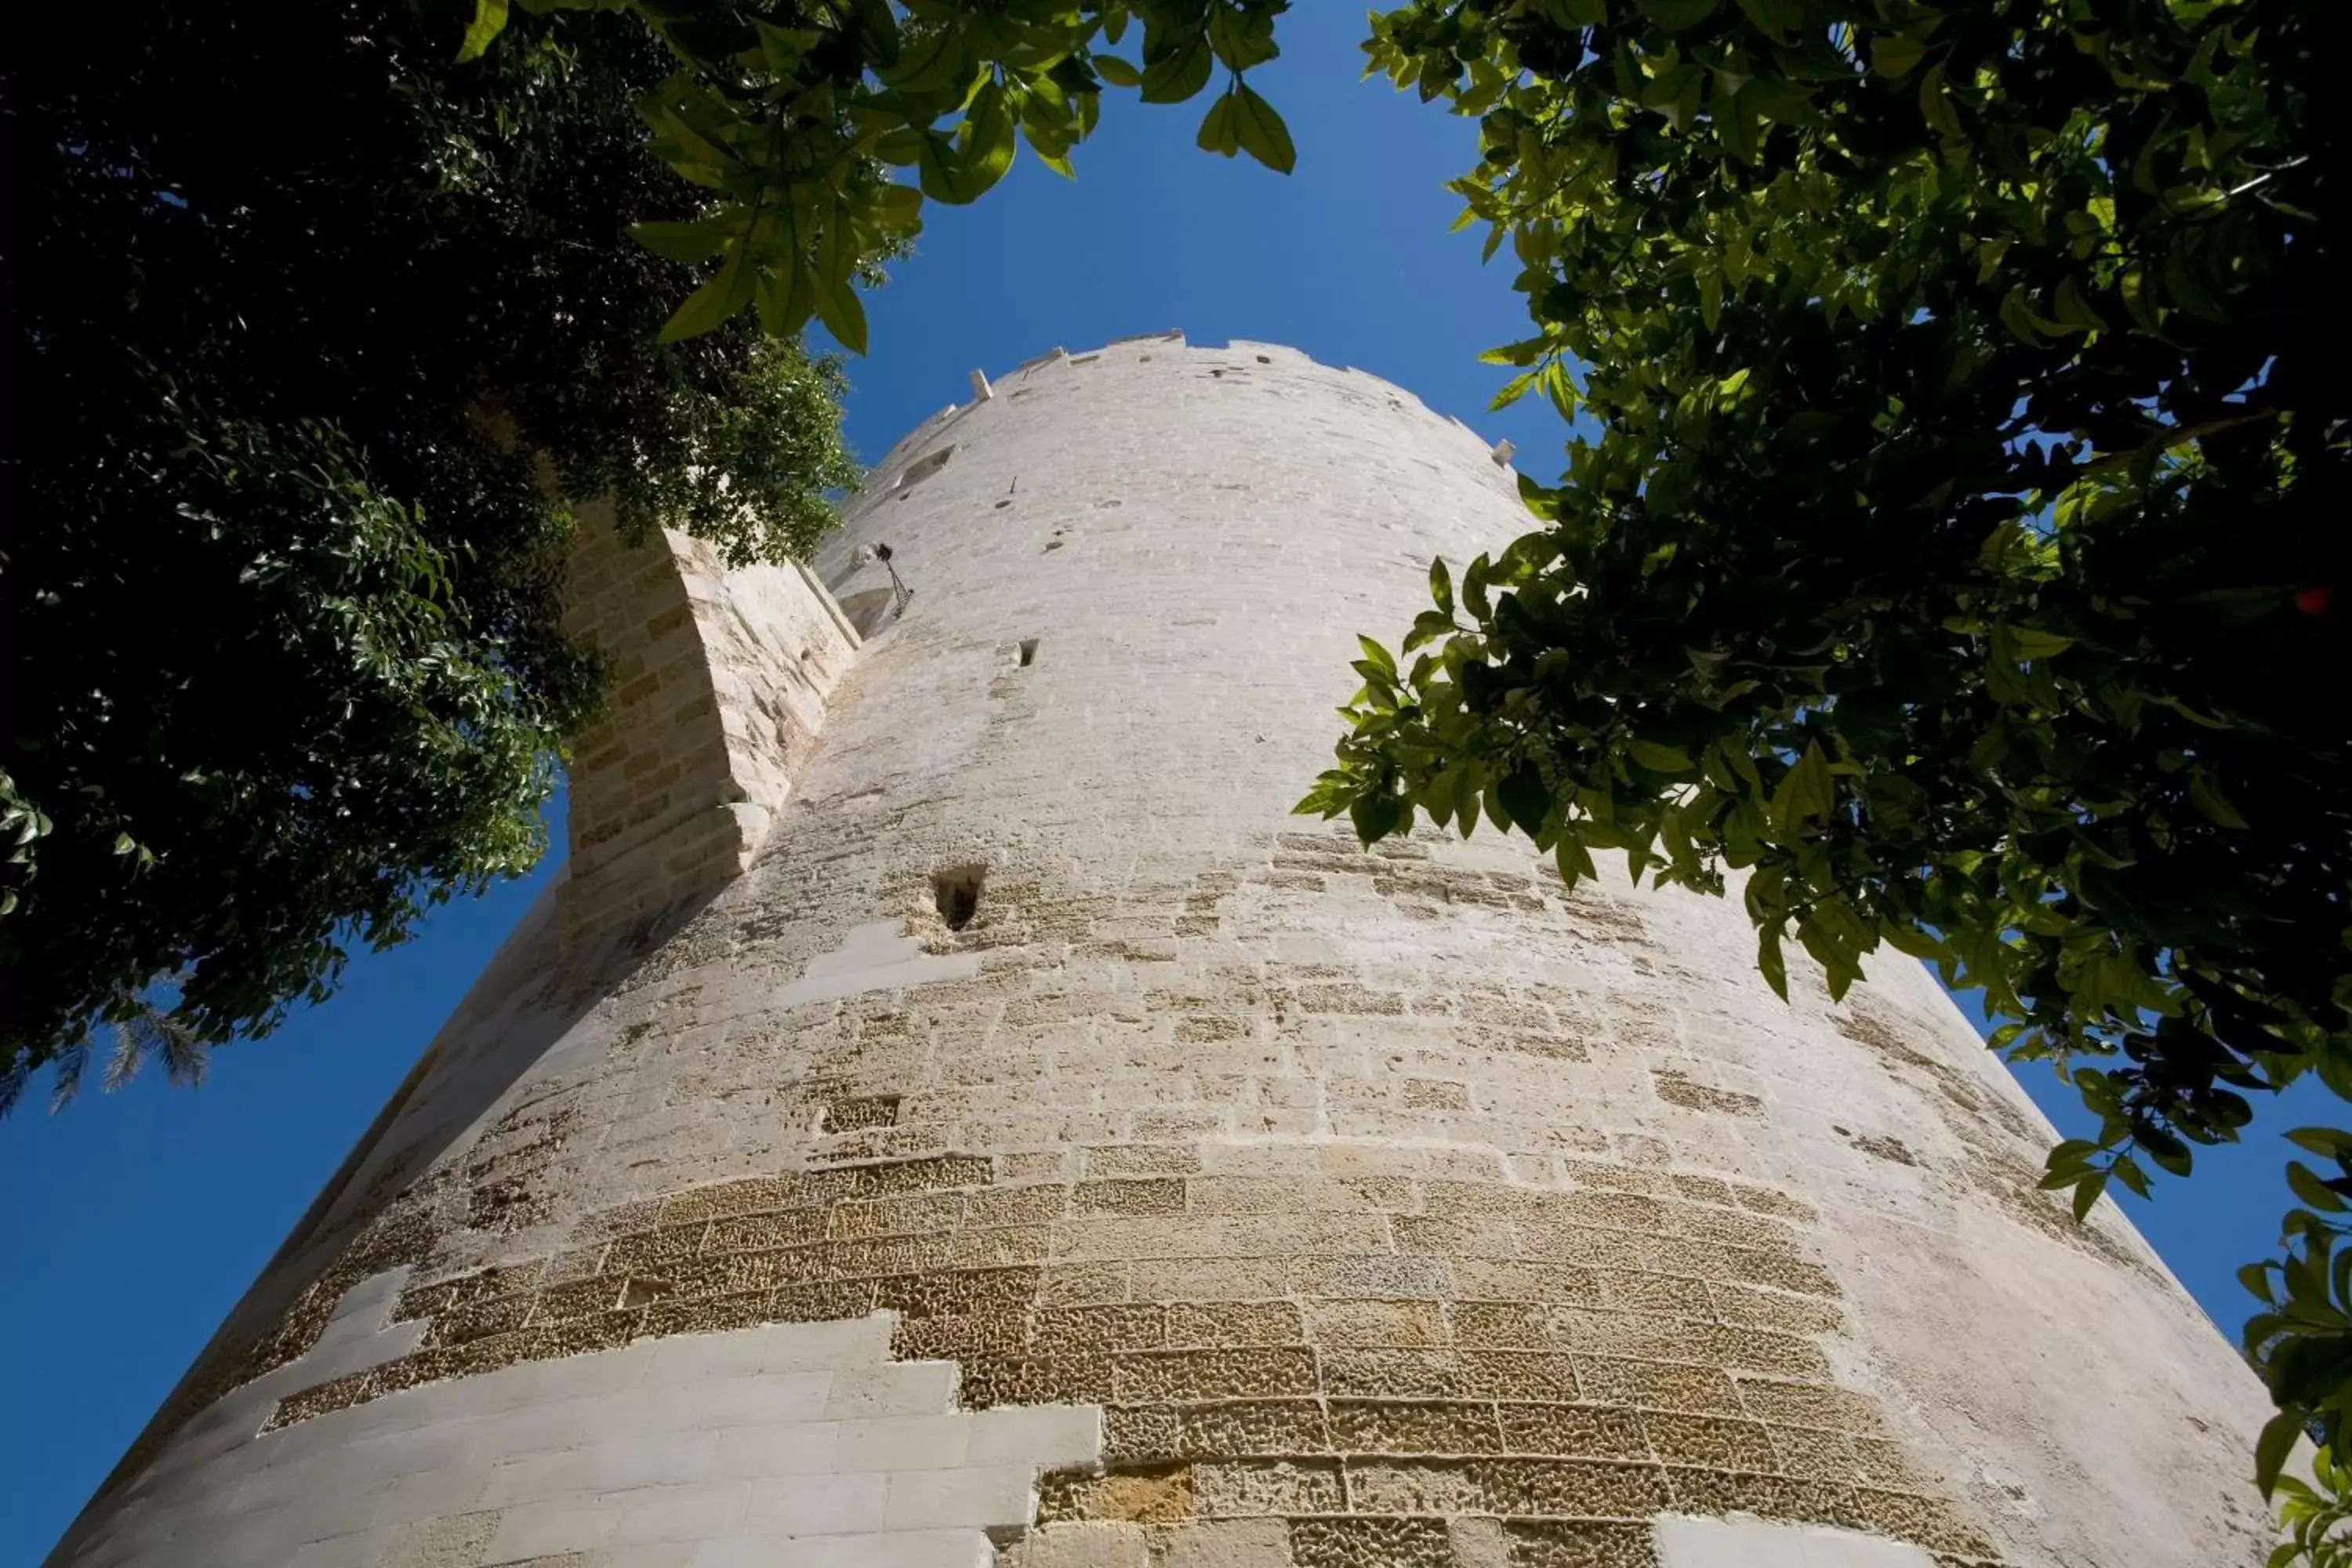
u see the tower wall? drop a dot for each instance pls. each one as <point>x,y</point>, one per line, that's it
<point>1215,1192</point>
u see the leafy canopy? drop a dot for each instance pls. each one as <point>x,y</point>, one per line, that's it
<point>321,328</point>
<point>791,115</point>
<point>1952,529</point>
<point>314,333</point>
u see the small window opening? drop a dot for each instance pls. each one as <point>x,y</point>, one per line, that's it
<point>923,468</point>
<point>1264,358</point>
<point>1028,652</point>
<point>956,892</point>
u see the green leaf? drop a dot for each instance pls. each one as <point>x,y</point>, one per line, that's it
<point>1525,798</point>
<point>1573,859</point>
<point>2211,803</point>
<point>990,138</point>
<point>2127,1170</point>
<point>1894,56</point>
<point>842,313</point>
<point>1519,353</point>
<point>1659,759</point>
<point>939,61</point>
<point>1181,72</point>
<point>1911,940</point>
<point>1514,389</point>
<point>1261,131</point>
<point>728,291</point>
<point>489,21</point>
<point>1807,792</point>
<point>2031,642</point>
<point>2271,1449</point>
<point>1735,120</point>
<point>686,242</point>
<point>2325,1142</point>
<point>898,211</point>
<point>1115,70</point>
<point>941,169</point>
<point>1377,813</point>
<point>837,249</point>
<point>1769,961</point>
<point>786,297</point>
<point>2087,1192</point>
<point>1678,15</point>
<point>2070,306</point>
<point>2308,1186</point>
<point>1935,104</point>
<point>1219,130</point>
<point>1474,590</point>
<point>1777,18</point>
<point>1441,584</point>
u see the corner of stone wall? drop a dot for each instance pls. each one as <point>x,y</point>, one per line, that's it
<point>719,681</point>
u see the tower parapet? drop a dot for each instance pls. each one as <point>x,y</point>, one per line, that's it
<point>1047,1146</point>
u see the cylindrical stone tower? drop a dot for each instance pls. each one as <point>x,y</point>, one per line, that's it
<point>953,1109</point>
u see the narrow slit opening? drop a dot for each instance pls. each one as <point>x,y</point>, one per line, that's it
<point>956,893</point>
<point>1028,652</point>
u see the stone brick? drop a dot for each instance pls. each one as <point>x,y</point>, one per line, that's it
<point>1413,1426</point>
<point>1225,1489</point>
<point>1240,1428</point>
<point>1572,1431</point>
<point>1580,1545</point>
<point>1239,1373</point>
<point>1573,1488</point>
<point>1371,1544</point>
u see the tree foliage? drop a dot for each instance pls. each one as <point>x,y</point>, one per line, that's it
<point>314,334</point>
<point>791,114</point>
<point>1951,536</point>
<point>2316,1517</point>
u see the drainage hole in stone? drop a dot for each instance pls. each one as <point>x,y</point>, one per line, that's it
<point>956,891</point>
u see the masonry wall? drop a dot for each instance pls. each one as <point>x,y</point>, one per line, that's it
<point>1329,1208</point>
<point>719,684</point>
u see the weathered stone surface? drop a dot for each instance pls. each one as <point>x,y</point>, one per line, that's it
<point>1352,1208</point>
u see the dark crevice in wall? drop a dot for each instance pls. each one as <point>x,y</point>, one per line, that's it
<point>956,893</point>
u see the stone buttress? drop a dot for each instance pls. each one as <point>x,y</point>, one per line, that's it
<point>953,1112</point>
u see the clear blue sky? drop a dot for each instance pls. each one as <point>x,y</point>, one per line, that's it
<point>137,1220</point>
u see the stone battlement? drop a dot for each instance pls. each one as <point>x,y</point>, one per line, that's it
<point>1172,352</point>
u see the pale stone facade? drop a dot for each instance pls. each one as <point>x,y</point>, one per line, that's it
<point>1225,1195</point>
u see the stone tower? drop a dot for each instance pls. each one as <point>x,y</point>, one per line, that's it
<point>949,1111</point>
